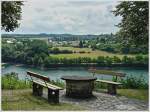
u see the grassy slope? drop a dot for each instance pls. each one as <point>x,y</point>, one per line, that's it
<point>92,54</point>
<point>23,100</point>
<point>134,93</point>
<point>141,94</point>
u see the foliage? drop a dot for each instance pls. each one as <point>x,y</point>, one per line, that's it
<point>134,83</point>
<point>37,53</point>
<point>81,44</point>
<point>56,50</point>
<point>134,24</point>
<point>11,81</point>
<point>128,82</point>
<point>11,14</point>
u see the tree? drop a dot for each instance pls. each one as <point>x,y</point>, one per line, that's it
<point>134,24</point>
<point>81,44</point>
<point>11,14</point>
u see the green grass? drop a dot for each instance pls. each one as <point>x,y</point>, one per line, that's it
<point>9,81</point>
<point>141,94</point>
<point>92,54</point>
<point>24,100</point>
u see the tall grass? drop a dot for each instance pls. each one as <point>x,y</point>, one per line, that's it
<point>11,81</point>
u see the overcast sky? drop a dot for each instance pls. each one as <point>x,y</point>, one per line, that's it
<point>68,16</point>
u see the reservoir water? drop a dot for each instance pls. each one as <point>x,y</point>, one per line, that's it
<point>56,73</point>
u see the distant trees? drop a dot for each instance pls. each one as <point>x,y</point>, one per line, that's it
<point>56,50</point>
<point>11,14</point>
<point>81,44</point>
<point>36,52</point>
<point>27,52</point>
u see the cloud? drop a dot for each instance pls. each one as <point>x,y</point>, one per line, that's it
<point>76,17</point>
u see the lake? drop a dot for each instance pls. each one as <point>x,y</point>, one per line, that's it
<point>56,73</point>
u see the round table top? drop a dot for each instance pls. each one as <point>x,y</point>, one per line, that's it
<point>78,78</point>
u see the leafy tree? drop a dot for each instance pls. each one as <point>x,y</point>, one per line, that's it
<point>134,24</point>
<point>116,59</point>
<point>11,14</point>
<point>101,60</point>
<point>81,44</point>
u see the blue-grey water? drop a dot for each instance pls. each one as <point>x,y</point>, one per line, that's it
<point>56,73</point>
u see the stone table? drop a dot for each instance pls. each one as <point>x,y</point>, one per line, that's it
<point>79,86</point>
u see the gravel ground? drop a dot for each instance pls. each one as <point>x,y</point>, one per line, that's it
<point>106,102</point>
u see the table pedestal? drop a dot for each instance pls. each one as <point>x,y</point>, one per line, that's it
<point>79,89</point>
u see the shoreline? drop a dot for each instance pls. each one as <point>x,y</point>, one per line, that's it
<point>55,66</point>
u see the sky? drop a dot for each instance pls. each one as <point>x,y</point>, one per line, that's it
<point>68,16</point>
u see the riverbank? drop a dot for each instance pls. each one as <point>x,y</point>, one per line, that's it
<point>86,65</point>
<point>23,100</point>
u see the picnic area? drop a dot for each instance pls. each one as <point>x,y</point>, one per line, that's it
<point>78,93</point>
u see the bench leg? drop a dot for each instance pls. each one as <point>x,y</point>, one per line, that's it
<point>112,89</point>
<point>53,96</point>
<point>37,89</point>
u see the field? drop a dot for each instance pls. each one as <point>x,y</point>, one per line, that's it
<point>89,53</point>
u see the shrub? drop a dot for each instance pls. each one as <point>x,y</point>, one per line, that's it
<point>134,82</point>
<point>116,59</point>
<point>127,60</point>
<point>81,51</point>
<point>108,60</point>
<point>139,59</point>
<point>101,60</point>
<point>11,81</point>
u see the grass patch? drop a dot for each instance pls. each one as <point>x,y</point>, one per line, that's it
<point>24,100</point>
<point>11,81</point>
<point>92,54</point>
<point>141,94</point>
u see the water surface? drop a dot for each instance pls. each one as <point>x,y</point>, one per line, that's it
<point>56,73</point>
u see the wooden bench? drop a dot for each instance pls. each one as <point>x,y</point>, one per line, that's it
<point>40,81</point>
<point>111,85</point>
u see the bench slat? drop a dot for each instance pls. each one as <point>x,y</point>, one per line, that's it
<point>109,82</point>
<point>48,84</point>
<point>107,72</point>
<point>38,76</point>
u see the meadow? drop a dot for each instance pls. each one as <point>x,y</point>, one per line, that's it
<point>88,53</point>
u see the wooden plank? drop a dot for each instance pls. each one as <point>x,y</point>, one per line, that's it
<point>107,72</point>
<point>38,76</point>
<point>54,86</point>
<point>109,82</point>
<point>48,84</point>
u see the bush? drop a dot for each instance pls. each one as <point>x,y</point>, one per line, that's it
<point>139,59</point>
<point>127,60</point>
<point>11,81</point>
<point>81,51</point>
<point>116,59</point>
<point>101,60</point>
<point>134,83</point>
